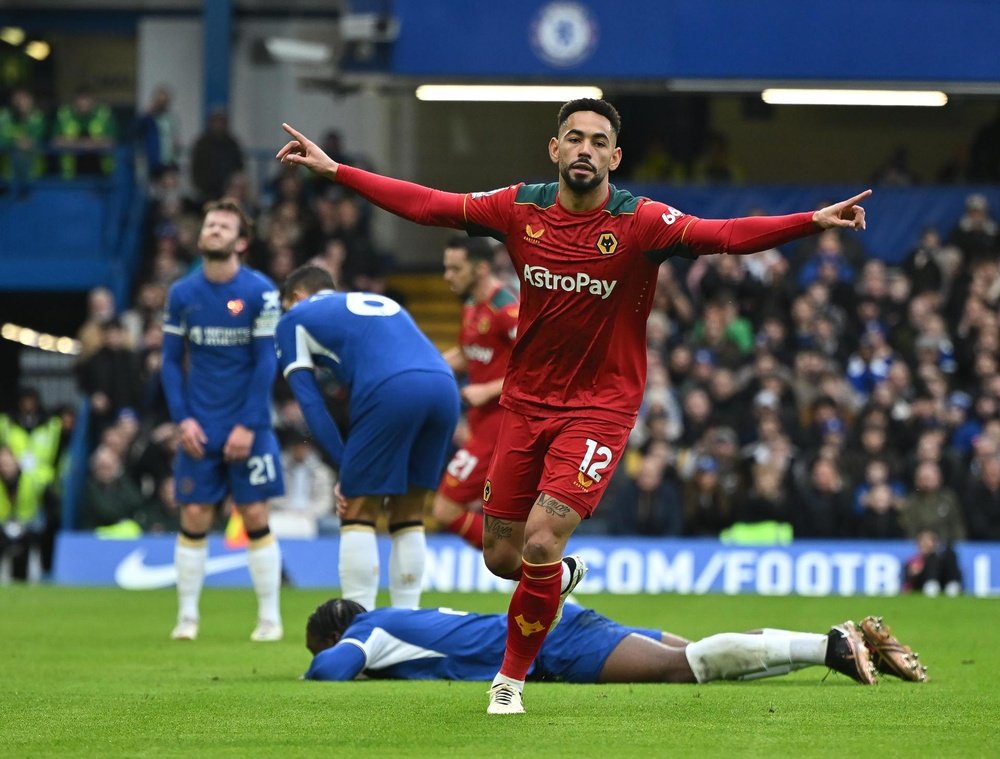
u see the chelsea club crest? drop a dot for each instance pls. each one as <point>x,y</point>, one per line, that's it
<point>564,33</point>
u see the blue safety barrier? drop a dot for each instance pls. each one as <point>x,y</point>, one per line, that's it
<point>73,234</point>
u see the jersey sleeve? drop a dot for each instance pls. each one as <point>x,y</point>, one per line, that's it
<point>659,226</point>
<point>287,347</point>
<point>173,314</point>
<point>294,356</point>
<point>508,320</point>
<point>266,320</point>
<point>256,410</point>
<point>172,369</point>
<point>415,202</point>
<point>344,661</point>
<point>488,213</point>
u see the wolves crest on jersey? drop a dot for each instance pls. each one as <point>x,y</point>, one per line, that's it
<point>607,243</point>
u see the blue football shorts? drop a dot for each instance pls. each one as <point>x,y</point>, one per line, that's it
<point>210,479</point>
<point>400,435</point>
<point>576,650</point>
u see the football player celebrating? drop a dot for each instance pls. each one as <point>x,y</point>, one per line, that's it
<point>587,254</point>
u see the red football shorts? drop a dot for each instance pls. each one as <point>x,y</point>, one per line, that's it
<point>569,458</point>
<point>465,475</point>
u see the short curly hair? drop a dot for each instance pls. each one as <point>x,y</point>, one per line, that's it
<point>603,107</point>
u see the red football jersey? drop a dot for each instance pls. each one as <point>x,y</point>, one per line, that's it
<point>587,280</point>
<point>586,291</point>
<point>486,337</point>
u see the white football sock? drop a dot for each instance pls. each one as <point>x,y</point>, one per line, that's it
<point>264,562</point>
<point>744,656</point>
<point>189,561</point>
<point>358,564</point>
<point>407,560</point>
<point>806,648</point>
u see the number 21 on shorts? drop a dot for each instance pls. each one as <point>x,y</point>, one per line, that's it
<point>262,469</point>
<point>595,460</point>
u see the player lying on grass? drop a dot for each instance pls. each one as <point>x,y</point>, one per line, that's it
<point>442,644</point>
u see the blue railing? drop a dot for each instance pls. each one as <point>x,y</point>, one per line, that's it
<point>61,234</point>
<point>75,474</point>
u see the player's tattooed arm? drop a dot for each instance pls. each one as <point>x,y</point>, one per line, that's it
<point>500,529</point>
<point>553,506</point>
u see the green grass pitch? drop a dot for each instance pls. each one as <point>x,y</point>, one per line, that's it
<point>90,672</point>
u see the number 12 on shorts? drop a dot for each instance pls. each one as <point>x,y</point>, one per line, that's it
<point>596,460</point>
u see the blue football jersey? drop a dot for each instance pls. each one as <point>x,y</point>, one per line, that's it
<point>443,644</point>
<point>416,644</point>
<point>361,338</point>
<point>227,330</point>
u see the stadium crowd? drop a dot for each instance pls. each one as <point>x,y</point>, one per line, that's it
<point>813,391</point>
<point>71,141</point>
<point>816,387</point>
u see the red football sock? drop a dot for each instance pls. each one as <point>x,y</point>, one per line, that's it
<point>529,616</point>
<point>469,527</point>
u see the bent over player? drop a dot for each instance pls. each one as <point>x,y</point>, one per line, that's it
<point>587,255</point>
<point>403,410</point>
<point>489,326</point>
<point>587,647</point>
<point>219,323</point>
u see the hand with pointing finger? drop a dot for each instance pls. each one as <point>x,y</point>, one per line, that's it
<point>301,151</point>
<point>845,214</point>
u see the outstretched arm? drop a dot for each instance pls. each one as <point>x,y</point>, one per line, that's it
<point>754,233</point>
<point>415,202</point>
<point>748,234</point>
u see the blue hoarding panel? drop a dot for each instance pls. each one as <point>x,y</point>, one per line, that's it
<point>617,565</point>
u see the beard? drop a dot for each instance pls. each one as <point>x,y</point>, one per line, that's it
<point>464,293</point>
<point>218,254</point>
<point>581,185</point>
